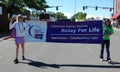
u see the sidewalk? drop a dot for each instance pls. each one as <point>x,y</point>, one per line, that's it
<point>116,29</point>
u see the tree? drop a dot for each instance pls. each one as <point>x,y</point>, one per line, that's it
<point>36,4</point>
<point>73,18</point>
<point>60,15</point>
<point>14,6</point>
<point>52,14</point>
<point>79,16</point>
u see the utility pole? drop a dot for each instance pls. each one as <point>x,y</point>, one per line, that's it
<point>75,10</point>
<point>113,7</point>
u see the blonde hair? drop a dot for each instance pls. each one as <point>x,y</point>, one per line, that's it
<point>19,15</point>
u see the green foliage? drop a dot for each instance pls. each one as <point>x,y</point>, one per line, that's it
<point>14,6</point>
<point>52,14</point>
<point>17,6</point>
<point>61,15</point>
<point>36,4</point>
<point>79,16</point>
<point>73,18</point>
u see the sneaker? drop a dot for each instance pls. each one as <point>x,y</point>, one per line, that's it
<point>16,61</point>
<point>101,59</point>
<point>109,61</point>
<point>23,58</point>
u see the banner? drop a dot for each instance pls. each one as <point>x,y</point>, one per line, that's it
<point>36,31</point>
<point>65,32</point>
<point>75,32</point>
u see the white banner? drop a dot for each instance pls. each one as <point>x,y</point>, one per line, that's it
<point>36,31</point>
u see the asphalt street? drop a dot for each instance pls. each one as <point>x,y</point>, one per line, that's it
<point>59,57</point>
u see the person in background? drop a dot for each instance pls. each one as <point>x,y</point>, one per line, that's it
<point>12,20</point>
<point>19,26</point>
<point>107,32</point>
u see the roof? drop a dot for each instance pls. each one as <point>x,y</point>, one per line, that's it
<point>117,15</point>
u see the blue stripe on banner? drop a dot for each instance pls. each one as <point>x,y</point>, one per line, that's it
<point>75,32</point>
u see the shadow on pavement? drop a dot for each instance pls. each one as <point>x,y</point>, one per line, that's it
<point>42,65</point>
<point>115,63</point>
<point>89,66</point>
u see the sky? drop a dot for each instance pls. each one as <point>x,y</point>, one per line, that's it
<point>70,7</point>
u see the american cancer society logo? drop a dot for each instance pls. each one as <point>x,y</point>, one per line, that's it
<point>36,31</point>
<point>38,34</point>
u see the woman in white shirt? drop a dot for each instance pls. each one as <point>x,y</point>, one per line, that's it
<point>19,26</point>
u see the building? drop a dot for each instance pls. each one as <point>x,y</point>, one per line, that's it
<point>116,16</point>
<point>117,10</point>
<point>117,6</point>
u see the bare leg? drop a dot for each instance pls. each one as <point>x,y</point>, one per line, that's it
<point>23,50</point>
<point>17,50</point>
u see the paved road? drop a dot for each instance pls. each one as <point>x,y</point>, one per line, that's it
<point>59,57</point>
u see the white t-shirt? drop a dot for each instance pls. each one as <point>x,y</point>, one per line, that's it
<point>20,28</point>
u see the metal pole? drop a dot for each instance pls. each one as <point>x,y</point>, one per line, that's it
<point>75,10</point>
<point>113,6</point>
<point>75,6</point>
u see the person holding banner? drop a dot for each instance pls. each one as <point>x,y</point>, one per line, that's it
<point>107,32</point>
<point>19,26</point>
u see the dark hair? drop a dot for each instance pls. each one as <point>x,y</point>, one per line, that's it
<point>108,20</point>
